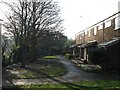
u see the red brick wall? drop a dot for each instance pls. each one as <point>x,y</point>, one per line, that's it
<point>109,33</point>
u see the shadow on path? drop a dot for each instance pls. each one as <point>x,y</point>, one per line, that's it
<point>54,80</point>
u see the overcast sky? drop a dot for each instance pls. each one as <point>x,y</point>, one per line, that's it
<point>80,14</point>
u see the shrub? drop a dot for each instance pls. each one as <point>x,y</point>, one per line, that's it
<point>98,56</point>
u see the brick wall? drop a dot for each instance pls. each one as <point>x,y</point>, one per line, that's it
<point>104,34</point>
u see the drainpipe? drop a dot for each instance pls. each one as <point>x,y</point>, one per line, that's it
<point>103,31</point>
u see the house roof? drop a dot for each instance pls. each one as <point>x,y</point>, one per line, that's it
<point>109,43</point>
<point>74,45</point>
<point>89,44</point>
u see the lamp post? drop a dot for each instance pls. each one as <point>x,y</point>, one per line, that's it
<point>0,55</point>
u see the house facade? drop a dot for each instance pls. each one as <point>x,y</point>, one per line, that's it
<point>103,31</point>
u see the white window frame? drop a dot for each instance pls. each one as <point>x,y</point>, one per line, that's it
<point>100,27</point>
<point>82,34</point>
<point>95,30</point>
<point>80,37</point>
<point>85,32</point>
<point>108,24</point>
<point>89,32</point>
<point>117,23</point>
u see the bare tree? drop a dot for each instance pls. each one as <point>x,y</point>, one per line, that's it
<point>28,22</point>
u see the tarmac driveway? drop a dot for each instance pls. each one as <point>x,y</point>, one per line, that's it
<point>76,73</point>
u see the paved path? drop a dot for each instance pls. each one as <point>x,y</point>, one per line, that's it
<point>74,74</point>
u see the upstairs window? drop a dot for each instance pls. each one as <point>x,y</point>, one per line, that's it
<point>80,37</point>
<point>107,24</point>
<point>85,32</point>
<point>100,27</point>
<point>117,23</point>
<point>89,33</point>
<point>95,31</point>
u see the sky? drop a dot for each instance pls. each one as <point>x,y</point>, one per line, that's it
<point>80,14</point>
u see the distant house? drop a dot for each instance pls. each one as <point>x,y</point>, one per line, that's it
<point>102,31</point>
<point>75,49</point>
<point>100,34</point>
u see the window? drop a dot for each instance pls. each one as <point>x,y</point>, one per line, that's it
<point>95,31</point>
<point>80,37</point>
<point>117,23</point>
<point>85,32</point>
<point>77,37</point>
<point>89,33</point>
<point>82,34</point>
<point>100,27</point>
<point>108,24</point>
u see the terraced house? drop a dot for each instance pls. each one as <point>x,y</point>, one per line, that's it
<point>106,34</point>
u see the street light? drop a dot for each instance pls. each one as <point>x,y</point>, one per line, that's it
<point>0,55</point>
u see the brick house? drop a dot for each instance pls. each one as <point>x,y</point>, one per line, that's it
<point>101,32</point>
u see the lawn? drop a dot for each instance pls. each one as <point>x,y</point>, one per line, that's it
<point>50,57</point>
<point>83,85</point>
<point>39,69</point>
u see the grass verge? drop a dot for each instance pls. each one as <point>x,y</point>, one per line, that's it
<point>39,69</point>
<point>84,85</point>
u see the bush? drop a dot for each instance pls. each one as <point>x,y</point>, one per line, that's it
<point>5,60</point>
<point>68,56</point>
<point>98,56</point>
